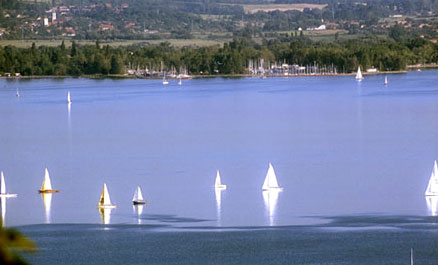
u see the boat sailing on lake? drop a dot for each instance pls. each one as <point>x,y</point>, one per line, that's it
<point>105,201</point>
<point>138,197</point>
<point>271,182</point>
<point>3,192</point>
<point>68,97</point>
<point>386,80</point>
<point>359,76</point>
<point>47,184</point>
<point>432,187</point>
<point>218,184</point>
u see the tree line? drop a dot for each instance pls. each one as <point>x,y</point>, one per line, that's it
<point>230,58</point>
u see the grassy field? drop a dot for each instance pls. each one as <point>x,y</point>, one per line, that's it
<point>173,42</point>
<point>251,9</point>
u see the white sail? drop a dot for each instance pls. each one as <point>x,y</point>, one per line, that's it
<point>3,185</point>
<point>17,94</point>
<point>138,196</point>
<point>218,184</point>
<point>359,74</point>
<point>47,184</point>
<point>432,187</point>
<point>105,200</point>
<point>68,97</point>
<point>386,80</point>
<point>180,82</point>
<point>270,180</point>
<point>165,82</point>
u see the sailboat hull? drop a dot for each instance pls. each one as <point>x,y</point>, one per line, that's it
<point>221,187</point>
<point>272,188</point>
<point>48,191</point>
<point>7,195</point>
<point>139,202</point>
<point>108,206</point>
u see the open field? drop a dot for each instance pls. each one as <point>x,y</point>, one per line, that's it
<point>251,9</point>
<point>173,42</point>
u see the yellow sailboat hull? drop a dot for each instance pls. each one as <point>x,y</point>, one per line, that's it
<point>48,191</point>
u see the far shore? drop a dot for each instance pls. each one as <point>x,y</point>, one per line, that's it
<point>409,67</point>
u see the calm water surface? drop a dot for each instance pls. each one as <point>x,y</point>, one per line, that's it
<point>339,148</point>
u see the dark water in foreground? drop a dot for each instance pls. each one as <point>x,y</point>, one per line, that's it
<point>345,240</point>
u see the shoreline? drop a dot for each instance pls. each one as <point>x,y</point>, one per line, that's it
<point>26,77</point>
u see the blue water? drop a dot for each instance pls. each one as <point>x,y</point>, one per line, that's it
<point>339,148</point>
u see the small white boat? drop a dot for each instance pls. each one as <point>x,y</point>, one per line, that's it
<point>218,184</point>
<point>17,94</point>
<point>180,81</point>
<point>138,197</point>
<point>386,80</point>
<point>271,182</point>
<point>3,192</point>
<point>165,82</point>
<point>359,76</point>
<point>68,97</point>
<point>105,201</point>
<point>432,187</point>
<point>47,184</point>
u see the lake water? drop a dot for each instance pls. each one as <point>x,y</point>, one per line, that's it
<point>340,149</point>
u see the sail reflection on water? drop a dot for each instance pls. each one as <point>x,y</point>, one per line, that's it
<point>3,205</point>
<point>218,193</point>
<point>47,200</point>
<point>432,205</point>
<point>105,215</point>
<point>271,197</point>
<point>138,209</point>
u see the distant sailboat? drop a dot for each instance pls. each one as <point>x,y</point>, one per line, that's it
<point>386,80</point>
<point>105,201</point>
<point>180,81</point>
<point>3,192</point>
<point>17,94</point>
<point>47,184</point>
<point>218,184</point>
<point>432,187</point>
<point>271,180</point>
<point>359,74</point>
<point>165,82</point>
<point>138,197</point>
<point>68,97</point>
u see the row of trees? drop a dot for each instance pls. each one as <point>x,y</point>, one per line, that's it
<point>231,58</point>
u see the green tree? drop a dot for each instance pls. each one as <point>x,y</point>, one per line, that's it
<point>11,243</point>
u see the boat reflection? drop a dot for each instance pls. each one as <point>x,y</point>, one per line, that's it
<point>105,215</point>
<point>218,193</point>
<point>271,197</point>
<point>3,205</point>
<point>47,200</point>
<point>432,205</point>
<point>138,209</point>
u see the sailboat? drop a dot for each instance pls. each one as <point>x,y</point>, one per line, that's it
<point>165,82</point>
<point>3,192</point>
<point>17,94</point>
<point>47,184</point>
<point>386,80</point>
<point>271,180</point>
<point>138,197</point>
<point>105,201</point>
<point>359,74</point>
<point>68,97</point>
<point>218,184</point>
<point>432,187</point>
<point>180,81</point>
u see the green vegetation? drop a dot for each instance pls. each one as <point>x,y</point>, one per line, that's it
<point>11,241</point>
<point>231,58</point>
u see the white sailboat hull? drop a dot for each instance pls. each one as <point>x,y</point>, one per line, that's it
<point>8,195</point>
<point>107,206</point>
